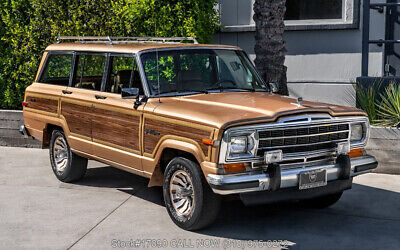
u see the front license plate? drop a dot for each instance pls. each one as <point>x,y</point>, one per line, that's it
<point>312,179</point>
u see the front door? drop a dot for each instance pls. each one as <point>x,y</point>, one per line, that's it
<point>115,122</point>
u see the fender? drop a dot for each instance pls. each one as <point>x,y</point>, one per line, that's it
<point>36,124</point>
<point>173,142</point>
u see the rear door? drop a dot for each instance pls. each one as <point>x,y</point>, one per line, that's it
<point>116,123</point>
<point>77,102</point>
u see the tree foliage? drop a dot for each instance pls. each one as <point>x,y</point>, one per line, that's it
<point>28,26</point>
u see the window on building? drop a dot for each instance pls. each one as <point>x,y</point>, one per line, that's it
<point>57,70</point>
<point>313,9</point>
<point>237,15</point>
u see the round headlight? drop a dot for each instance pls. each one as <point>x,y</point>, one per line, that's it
<point>238,145</point>
<point>356,132</point>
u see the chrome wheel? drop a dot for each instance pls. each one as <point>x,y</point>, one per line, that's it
<point>60,154</point>
<point>181,191</point>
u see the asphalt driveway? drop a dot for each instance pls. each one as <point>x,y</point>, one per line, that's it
<point>111,209</point>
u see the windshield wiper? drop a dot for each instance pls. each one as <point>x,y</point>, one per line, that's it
<point>232,88</point>
<point>188,90</point>
<point>182,91</point>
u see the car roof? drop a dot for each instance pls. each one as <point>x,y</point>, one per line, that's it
<point>129,47</point>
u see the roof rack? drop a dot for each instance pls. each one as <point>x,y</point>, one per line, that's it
<point>117,40</point>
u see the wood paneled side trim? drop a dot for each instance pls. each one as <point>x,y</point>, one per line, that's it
<point>78,118</point>
<point>180,122</point>
<point>115,146</point>
<point>27,109</point>
<point>117,128</point>
<point>42,103</point>
<point>157,129</point>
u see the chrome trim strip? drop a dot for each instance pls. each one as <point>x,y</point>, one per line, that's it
<point>289,177</point>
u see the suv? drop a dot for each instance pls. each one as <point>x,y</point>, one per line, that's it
<point>196,119</point>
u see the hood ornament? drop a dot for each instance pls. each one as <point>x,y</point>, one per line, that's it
<point>299,100</point>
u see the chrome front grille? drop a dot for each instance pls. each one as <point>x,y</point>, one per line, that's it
<point>304,140</point>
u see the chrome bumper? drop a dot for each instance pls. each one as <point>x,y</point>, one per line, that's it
<point>260,181</point>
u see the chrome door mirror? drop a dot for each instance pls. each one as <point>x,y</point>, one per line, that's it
<point>129,93</point>
<point>274,87</point>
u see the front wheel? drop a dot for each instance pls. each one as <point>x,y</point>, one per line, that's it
<point>189,200</point>
<point>67,166</point>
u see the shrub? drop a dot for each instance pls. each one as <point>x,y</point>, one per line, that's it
<point>367,97</point>
<point>389,107</point>
<point>382,104</point>
<point>28,26</point>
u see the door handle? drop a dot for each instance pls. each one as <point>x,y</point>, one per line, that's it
<point>66,92</point>
<point>100,97</point>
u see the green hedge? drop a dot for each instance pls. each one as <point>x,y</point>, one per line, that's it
<point>27,27</point>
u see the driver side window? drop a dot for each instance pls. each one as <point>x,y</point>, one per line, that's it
<point>123,74</point>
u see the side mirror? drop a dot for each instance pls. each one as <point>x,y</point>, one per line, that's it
<point>129,93</point>
<point>274,87</point>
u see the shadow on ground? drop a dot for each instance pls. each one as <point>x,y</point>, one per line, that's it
<point>342,226</point>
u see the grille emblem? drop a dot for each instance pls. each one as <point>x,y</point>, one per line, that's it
<point>312,177</point>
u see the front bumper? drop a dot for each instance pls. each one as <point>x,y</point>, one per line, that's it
<point>262,181</point>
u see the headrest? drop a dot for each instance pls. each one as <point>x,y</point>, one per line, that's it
<point>123,77</point>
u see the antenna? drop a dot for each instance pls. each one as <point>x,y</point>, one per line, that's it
<point>158,77</point>
<point>158,70</point>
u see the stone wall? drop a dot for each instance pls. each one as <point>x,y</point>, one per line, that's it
<point>384,144</point>
<point>10,121</point>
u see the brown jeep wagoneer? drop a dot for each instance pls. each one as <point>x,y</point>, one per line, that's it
<point>196,119</point>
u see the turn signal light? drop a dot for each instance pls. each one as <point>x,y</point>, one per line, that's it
<point>356,152</point>
<point>208,142</point>
<point>234,167</point>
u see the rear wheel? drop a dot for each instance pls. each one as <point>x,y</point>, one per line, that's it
<point>323,201</point>
<point>67,166</point>
<point>189,200</point>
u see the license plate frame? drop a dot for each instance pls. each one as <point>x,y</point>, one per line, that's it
<point>313,179</point>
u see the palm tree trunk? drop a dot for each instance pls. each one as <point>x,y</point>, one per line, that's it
<point>270,47</point>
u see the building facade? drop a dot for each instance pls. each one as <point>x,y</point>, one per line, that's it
<point>323,40</point>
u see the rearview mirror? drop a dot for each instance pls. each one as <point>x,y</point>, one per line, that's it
<point>129,93</point>
<point>274,87</point>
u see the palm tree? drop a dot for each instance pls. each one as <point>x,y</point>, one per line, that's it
<point>270,47</point>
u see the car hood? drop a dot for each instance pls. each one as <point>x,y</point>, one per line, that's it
<point>228,109</point>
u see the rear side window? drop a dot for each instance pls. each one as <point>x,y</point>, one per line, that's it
<point>57,70</point>
<point>89,72</point>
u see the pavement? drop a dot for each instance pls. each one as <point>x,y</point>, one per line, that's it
<point>112,209</point>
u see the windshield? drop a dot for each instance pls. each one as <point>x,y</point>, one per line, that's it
<point>200,70</point>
